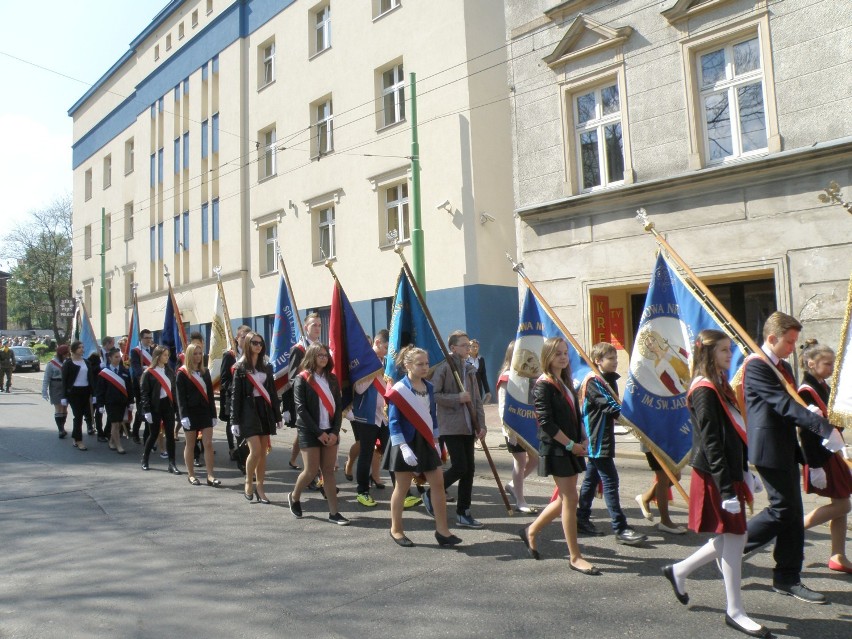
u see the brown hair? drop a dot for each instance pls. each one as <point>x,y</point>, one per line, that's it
<point>455,336</point>
<point>155,356</point>
<point>507,358</point>
<point>187,361</point>
<point>704,360</point>
<point>812,350</point>
<point>249,361</point>
<point>406,356</point>
<point>601,350</point>
<point>309,363</point>
<point>779,323</point>
<point>548,354</point>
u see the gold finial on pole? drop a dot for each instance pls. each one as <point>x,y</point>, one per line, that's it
<point>832,195</point>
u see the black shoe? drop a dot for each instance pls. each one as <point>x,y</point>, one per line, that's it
<point>136,439</point>
<point>91,431</point>
<point>668,573</point>
<point>262,500</point>
<point>763,631</point>
<point>801,592</point>
<point>197,463</point>
<point>523,534</point>
<point>630,537</point>
<point>403,541</point>
<point>174,469</point>
<point>338,519</point>
<point>102,439</point>
<point>585,527</point>
<point>376,484</point>
<point>295,507</point>
<point>348,477</point>
<point>62,434</point>
<point>452,540</point>
<point>145,464</point>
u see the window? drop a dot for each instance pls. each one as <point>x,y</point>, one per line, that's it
<point>186,86</point>
<point>128,221</point>
<point>268,239</point>
<point>214,134</point>
<point>177,234</point>
<point>598,140</point>
<point>396,214</point>
<point>322,28</point>
<point>128,156</point>
<point>87,296</point>
<point>381,7</point>
<point>205,70</point>
<point>266,73</point>
<point>325,232</point>
<point>153,170</point>
<point>128,288</point>
<point>393,95</point>
<point>108,293</point>
<point>107,232</point>
<point>87,184</point>
<point>214,63</point>
<point>154,110</point>
<point>205,227</point>
<point>107,171</point>
<point>323,141</point>
<point>180,31</point>
<point>214,221</point>
<point>209,6</point>
<point>186,150</point>
<point>168,42</point>
<point>160,104</point>
<point>156,52</point>
<point>732,111</point>
<point>204,143</point>
<point>177,154</point>
<point>186,230</point>
<point>87,241</point>
<point>160,165</point>
<point>195,18</point>
<point>267,154</point>
<point>153,243</point>
<point>160,241</point>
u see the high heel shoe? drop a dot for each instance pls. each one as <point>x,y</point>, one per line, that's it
<point>450,540</point>
<point>377,484</point>
<point>523,533</point>
<point>248,496</point>
<point>262,500</point>
<point>174,470</point>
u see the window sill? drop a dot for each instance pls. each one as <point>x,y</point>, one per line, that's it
<point>106,186</point>
<point>268,274</point>
<point>314,56</point>
<point>384,128</point>
<point>268,84</point>
<point>598,189</point>
<point>267,178</point>
<point>388,12</point>
<point>390,247</point>
<point>126,173</point>
<point>316,157</point>
<point>739,158</point>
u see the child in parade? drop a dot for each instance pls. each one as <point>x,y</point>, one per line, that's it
<point>52,389</point>
<point>78,380</point>
<point>157,404</point>
<point>114,396</point>
<point>197,410</point>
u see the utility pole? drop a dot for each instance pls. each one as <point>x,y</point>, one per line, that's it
<point>417,258</point>
<point>103,272</point>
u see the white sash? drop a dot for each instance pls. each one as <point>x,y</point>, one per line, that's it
<point>413,409</point>
<point>115,379</point>
<point>260,388</point>
<point>165,383</point>
<point>198,385</point>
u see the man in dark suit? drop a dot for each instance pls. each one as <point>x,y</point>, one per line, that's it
<point>772,416</point>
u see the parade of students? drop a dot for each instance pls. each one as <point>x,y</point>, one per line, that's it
<point>317,402</point>
<point>311,335</point>
<point>825,473</point>
<point>718,490</point>
<point>158,406</point>
<point>53,390</point>
<point>563,446</point>
<point>255,413</point>
<point>78,382</point>
<point>197,411</point>
<point>114,396</point>
<point>414,444</point>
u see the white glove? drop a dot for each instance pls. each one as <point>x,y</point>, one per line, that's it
<point>149,418</point>
<point>815,409</point>
<point>279,425</point>
<point>748,479</point>
<point>846,453</point>
<point>834,442</point>
<point>63,401</point>
<point>214,421</point>
<point>286,416</point>
<point>349,416</point>
<point>131,406</point>
<point>235,429</point>
<point>184,422</point>
<point>408,454</point>
<point>818,478</point>
<point>731,505</point>
<point>94,399</point>
<point>758,485</point>
<point>102,410</point>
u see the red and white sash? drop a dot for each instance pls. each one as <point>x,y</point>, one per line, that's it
<point>817,399</point>
<point>165,384</point>
<point>201,388</point>
<point>260,388</point>
<point>379,386</point>
<point>325,396</point>
<point>569,397</point>
<point>55,363</point>
<point>115,379</point>
<point>503,379</point>
<point>736,418</point>
<point>412,409</point>
<point>144,356</point>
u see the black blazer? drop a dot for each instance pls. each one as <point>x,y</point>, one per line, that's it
<point>308,403</point>
<point>69,376</point>
<point>772,416</point>
<point>149,390</point>
<point>243,411</point>
<point>554,414</point>
<point>189,398</point>
<point>108,394</point>
<point>816,455</point>
<point>226,378</point>
<point>717,449</point>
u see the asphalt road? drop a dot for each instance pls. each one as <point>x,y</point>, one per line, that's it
<point>94,547</point>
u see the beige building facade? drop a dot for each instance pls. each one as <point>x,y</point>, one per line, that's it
<point>723,119</point>
<point>231,131</point>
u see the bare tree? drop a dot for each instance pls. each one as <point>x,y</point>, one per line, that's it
<point>41,248</point>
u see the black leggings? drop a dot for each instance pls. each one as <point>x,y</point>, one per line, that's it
<point>80,401</point>
<point>165,412</point>
<point>367,435</point>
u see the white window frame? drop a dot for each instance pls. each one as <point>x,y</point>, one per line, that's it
<point>107,232</point>
<point>378,12</point>
<point>266,72</point>
<point>168,42</point>
<point>129,156</point>
<point>268,160</point>
<point>597,125</point>
<point>108,293</point>
<point>128,221</point>
<point>322,28</point>
<point>268,243</point>
<point>108,171</point>
<point>87,242</point>
<point>323,138</point>
<point>397,90</point>
<point>401,205</point>
<point>87,185</point>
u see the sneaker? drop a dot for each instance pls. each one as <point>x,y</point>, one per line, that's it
<point>164,455</point>
<point>585,527</point>
<point>365,500</point>
<point>295,507</point>
<point>427,503</point>
<point>630,537</point>
<point>411,501</point>
<point>801,592</point>
<point>467,521</point>
<point>197,463</point>
<point>338,519</point>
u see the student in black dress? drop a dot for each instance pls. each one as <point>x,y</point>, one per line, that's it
<point>156,390</point>
<point>718,489</point>
<point>78,380</point>
<point>825,473</point>
<point>197,411</point>
<point>114,396</point>
<point>563,445</point>
<point>414,445</point>
<point>255,413</point>
<point>226,375</point>
<point>316,395</point>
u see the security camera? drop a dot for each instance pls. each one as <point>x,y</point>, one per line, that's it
<point>443,205</point>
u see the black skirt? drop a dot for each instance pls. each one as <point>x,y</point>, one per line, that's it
<point>427,457</point>
<point>560,465</point>
<point>264,423</point>
<point>199,417</point>
<point>116,413</point>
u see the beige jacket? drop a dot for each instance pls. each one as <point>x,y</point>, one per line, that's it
<point>453,416</point>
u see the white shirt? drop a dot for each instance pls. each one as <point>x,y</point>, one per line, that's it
<point>82,374</point>
<point>162,372</point>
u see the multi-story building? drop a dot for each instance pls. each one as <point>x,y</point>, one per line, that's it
<point>724,119</point>
<point>232,129</point>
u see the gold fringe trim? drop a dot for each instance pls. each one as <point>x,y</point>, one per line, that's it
<point>841,420</point>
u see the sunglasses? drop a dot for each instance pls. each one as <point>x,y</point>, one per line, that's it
<point>256,342</point>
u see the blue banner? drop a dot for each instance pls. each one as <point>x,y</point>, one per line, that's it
<point>409,326</point>
<point>285,333</point>
<point>85,332</point>
<point>534,327</point>
<point>132,333</point>
<point>659,377</point>
<point>172,331</point>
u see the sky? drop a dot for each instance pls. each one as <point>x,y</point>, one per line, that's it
<point>80,39</point>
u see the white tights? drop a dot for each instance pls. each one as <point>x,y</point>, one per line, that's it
<point>728,548</point>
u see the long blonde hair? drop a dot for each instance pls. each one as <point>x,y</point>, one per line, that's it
<point>190,352</point>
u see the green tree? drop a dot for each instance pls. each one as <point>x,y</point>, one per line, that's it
<point>41,248</point>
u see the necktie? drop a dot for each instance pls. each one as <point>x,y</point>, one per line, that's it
<point>785,372</point>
